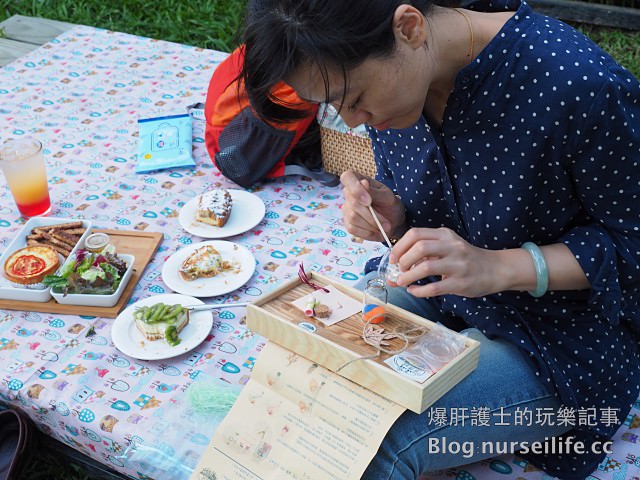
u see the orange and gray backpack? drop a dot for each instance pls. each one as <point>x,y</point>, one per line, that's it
<point>247,149</point>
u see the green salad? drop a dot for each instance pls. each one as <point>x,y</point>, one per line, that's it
<point>87,272</point>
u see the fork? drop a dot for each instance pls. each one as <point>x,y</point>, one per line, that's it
<point>213,306</point>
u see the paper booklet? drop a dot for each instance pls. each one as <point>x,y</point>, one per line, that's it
<point>297,420</point>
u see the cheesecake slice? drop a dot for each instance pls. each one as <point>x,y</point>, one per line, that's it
<point>161,322</point>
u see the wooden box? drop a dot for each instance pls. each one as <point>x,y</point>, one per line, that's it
<point>275,318</point>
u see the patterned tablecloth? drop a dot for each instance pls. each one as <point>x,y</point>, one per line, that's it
<point>82,95</point>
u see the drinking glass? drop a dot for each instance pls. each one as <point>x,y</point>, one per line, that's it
<point>24,168</point>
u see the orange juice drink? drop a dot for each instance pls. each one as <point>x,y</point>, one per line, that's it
<point>24,168</point>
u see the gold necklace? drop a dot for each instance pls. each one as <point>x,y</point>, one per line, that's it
<point>471,43</point>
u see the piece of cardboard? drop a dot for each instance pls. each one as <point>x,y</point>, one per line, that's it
<point>274,317</point>
<point>142,245</point>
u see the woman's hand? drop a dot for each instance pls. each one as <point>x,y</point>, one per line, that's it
<point>464,270</point>
<point>360,192</point>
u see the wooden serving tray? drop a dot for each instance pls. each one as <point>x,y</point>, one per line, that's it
<point>142,245</point>
<point>274,317</point>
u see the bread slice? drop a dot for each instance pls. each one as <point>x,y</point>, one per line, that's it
<point>31,264</point>
<point>204,262</point>
<point>157,329</point>
<point>214,207</point>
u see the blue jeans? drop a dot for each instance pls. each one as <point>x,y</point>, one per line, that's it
<point>496,400</point>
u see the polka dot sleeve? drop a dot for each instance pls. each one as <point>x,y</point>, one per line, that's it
<point>605,170</point>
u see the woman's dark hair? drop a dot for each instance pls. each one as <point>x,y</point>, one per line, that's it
<point>281,35</point>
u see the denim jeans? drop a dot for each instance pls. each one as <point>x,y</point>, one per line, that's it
<point>494,403</point>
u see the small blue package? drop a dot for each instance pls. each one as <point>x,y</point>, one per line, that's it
<point>165,142</point>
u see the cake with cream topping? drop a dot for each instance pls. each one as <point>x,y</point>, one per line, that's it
<point>214,207</point>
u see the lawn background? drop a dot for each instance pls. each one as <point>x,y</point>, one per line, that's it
<point>216,24</point>
<point>213,24</point>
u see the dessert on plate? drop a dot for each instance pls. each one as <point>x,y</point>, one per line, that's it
<point>161,322</point>
<point>31,264</point>
<point>204,262</point>
<point>214,207</point>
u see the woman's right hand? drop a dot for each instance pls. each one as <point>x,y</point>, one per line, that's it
<point>361,191</point>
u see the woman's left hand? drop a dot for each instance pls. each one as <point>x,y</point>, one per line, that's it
<point>464,269</point>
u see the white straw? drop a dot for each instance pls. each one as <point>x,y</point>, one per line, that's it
<point>375,217</point>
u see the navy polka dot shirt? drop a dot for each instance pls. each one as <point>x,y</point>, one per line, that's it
<point>541,142</point>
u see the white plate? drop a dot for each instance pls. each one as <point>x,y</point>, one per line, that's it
<point>37,292</point>
<point>210,287</point>
<point>130,341</point>
<point>247,211</point>
<point>96,300</point>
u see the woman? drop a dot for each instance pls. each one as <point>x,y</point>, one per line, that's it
<point>507,147</point>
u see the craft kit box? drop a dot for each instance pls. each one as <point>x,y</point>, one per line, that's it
<point>341,347</point>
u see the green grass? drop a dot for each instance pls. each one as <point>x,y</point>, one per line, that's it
<point>203,23</point>
<point>211,24</point>
<point>620,44</point>
<point>216,23</point>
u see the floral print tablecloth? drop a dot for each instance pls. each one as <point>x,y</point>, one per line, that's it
<point>82,95</point>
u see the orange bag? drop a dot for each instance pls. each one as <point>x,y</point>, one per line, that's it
<point>245,148</point>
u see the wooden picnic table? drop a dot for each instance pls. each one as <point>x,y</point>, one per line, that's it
<point>24,34</point>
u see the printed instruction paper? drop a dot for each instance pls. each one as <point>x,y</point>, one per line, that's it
<point>296,420</point>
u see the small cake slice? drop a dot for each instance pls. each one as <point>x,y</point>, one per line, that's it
<point>161,322</point>
<point>214,207</point>
<point>204,262</point>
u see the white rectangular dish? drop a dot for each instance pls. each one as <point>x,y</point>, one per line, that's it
<point>36,292</point>
<point>97,300</point>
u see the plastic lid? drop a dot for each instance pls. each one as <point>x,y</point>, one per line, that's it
<point>96,241</point>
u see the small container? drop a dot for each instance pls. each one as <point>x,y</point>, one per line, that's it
<point>374,300</point>
<point>96,242</point>
<point>434,350</point>
<point>388,271</point>
<point>375,292</point>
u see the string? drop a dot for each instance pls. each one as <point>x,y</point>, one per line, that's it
<point>378,339</point>
<point>472,42</point>
<point>375,218</point>
<point>374,336</point>
<point>304,278</point>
